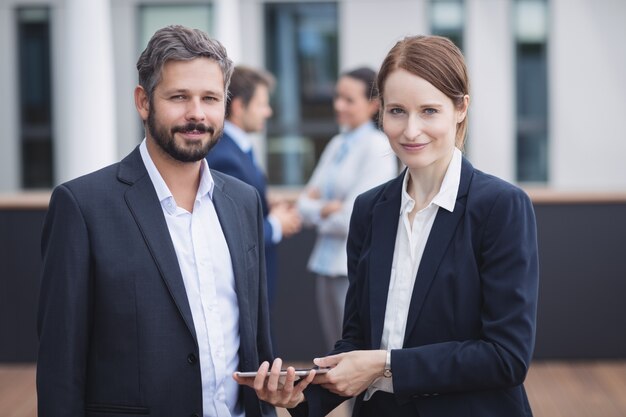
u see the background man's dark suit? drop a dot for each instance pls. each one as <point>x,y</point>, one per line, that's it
<point>227,157</point>
<point>128,342</point>
<point>471,323</point>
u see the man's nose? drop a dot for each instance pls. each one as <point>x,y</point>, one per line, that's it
<point>194,110</point>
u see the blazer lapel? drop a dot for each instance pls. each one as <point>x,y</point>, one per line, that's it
<point>145,207</point>
<point>384,229</point>
<point>441,234</point>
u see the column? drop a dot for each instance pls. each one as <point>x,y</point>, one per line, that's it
<point>228,28</point>
<point>490,58</point>
<point>85,107</point>
<point>10,157</point>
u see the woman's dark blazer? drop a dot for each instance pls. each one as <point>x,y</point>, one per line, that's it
<point>471,323</point>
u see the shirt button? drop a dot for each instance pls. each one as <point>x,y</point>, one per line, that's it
<point>192,359</point>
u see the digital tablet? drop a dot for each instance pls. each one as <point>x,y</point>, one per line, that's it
<point>283,373</point>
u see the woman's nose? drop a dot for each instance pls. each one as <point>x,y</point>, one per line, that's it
<point>413,128</point>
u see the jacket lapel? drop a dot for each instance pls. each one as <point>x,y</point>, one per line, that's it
<point>228,214</point>
<point>384,229</point>
<point>441,234</point>
<point>145,207</point>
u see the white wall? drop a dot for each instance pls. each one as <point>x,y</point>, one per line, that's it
<point>368,29</point>
<point>587,70</point>
<point>10,153</point>
<point>252,33</point>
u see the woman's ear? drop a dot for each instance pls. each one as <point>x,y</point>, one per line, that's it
<point>462,110</point>
<point>142,102</point>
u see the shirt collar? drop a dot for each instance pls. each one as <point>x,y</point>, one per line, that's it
<point>446,197</point>
<point>238,135</point>
<point>358,131</point>
<point>163,192</point>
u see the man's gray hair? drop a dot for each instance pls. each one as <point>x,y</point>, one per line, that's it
<point>179,43</point>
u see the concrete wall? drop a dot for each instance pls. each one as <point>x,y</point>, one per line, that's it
<point>588,94</point>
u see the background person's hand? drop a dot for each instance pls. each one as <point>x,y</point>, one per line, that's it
<point>289,218</point>
<point>313,193</point>
<point>331,207</point>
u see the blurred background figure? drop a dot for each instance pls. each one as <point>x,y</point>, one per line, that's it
<point>247,110</point>
<point>354,161</point>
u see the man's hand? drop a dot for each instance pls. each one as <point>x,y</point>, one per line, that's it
<point>269,389</point>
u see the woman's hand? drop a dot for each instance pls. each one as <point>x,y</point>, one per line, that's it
<point>331,207</point>
<point>351,372</point>
<point>313,193</point>
<point>270,389</point>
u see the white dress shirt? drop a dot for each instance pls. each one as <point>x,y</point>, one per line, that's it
<point>409,248</point>
<point>206,268</point>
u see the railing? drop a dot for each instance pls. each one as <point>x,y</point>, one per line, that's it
<point>581,313</point>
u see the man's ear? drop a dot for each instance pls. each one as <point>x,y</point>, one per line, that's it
<point>142,102</point>
<point>236,108</point>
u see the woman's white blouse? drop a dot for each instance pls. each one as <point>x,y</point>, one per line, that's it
<point>352,162</point>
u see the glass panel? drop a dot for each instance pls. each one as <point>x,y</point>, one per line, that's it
<point>35,97</point>
<point>446,19</point>
<point>154,17</point>
<point>301,51</point>
<point>530,21</point>
<point>532,90</point>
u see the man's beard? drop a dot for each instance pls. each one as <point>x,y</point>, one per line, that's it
<point>165,139</point>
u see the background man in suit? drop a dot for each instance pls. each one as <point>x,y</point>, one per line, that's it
<point>153,290</point>
<point>246,112</point>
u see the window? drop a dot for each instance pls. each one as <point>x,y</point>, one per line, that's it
<point>154,17</point>
<point>35,110</point>
<point>302,52</point>
<point>531,90</point>
<point>446,19</point>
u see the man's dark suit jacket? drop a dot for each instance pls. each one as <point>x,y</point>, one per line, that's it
<point>227,157</point>
<point>115,327</point>
<point>471,323</point>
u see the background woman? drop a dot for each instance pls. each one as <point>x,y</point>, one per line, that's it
<point>354,161</point>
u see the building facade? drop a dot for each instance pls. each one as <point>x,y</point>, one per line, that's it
<point>548,80</point>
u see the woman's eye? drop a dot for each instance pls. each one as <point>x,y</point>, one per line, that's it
<point>396,110</point>
<point>430,111</point>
